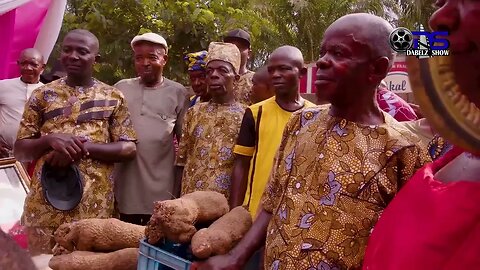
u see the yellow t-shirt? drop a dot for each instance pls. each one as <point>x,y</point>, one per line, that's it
<point>260,136</point>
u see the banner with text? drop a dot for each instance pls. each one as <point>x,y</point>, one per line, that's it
<point>397,79</point>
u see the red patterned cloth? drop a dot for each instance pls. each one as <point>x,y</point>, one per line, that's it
<point>18,233</point>
<point>394,105</point>
<point>31,168</point>
<point>429,225</point>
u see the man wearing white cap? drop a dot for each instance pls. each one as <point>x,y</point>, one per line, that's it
<point>157,106</point>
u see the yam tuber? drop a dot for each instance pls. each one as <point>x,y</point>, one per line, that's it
<point>124,259</point>
<point>176,219</point>
<point>153,231</point>
<point>59,250</point>
<point>101,235</point>
<point>222,235</point>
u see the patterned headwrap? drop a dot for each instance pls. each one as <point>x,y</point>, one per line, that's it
<point>226,52</point>
<point>196,60</point>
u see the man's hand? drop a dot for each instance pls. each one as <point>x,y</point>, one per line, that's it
<point>66,146</point>
<point>4,152</point>
<point>221,262</point>
<point>58,159</point>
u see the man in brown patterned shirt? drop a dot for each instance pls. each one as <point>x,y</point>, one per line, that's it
<point>74,120</point>
<point>338,165</point>
<point>210,130</point>
<point>243,87</point>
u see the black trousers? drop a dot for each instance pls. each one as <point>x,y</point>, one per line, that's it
<point>256,261</point>
<point>135,219</point>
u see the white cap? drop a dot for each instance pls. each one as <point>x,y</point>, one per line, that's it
<point>151,37</point>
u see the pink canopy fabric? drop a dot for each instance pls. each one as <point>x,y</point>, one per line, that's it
<point>27,24</point>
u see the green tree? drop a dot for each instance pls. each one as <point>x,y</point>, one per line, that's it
<point>187,26</point>
<point>302,22</point>
<point>190,25</point>
<point>414,12</point>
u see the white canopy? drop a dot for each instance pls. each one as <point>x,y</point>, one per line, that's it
<point>7,5</point>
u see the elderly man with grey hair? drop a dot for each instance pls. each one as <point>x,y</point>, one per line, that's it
<point>211,128</point>
<point>14,93</point>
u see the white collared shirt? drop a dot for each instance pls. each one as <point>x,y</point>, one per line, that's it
<point>14,93</point>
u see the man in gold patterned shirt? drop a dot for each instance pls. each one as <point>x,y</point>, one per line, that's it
<point>243,87</point>
<point>210,129</point>
<point>338,165</point>
<point>74,120</point>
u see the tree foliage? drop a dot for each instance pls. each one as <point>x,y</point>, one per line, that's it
<point>186,25</point>
<point>190,25</point>
<point>415,11</point>
<point>302,23</point>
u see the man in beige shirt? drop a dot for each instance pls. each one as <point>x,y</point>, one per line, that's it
<point>14,93</point>
<point>157,106</point>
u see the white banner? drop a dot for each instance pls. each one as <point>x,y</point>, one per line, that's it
<point>48,35</point>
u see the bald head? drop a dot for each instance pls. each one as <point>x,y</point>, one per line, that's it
<point>90,38</point>
<point>355,56</point>
<point>32,53</point>
<point>368,29</point>
<point>288,53</point>
<point>79,54</point>
<point>285,68</point>
<point>31,65</point>
<point>261,86</point>
<point>261,74</point>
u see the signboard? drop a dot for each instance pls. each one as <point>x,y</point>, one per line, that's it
<point>307,83</point>
<point>397,79</point>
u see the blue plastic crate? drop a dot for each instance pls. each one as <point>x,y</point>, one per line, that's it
<point>177,257</point>
<point>159,258</point>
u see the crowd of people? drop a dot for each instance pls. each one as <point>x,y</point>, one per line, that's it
<point>320,181</point>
